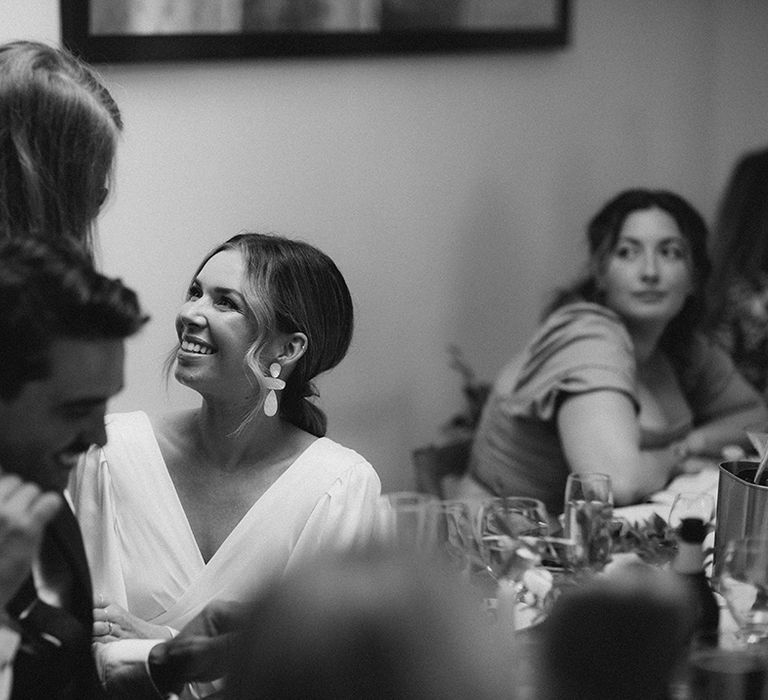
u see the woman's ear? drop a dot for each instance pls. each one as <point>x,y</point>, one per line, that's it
<point>291,347</point>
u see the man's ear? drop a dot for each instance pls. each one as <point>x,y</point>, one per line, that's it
<point>291,347</point>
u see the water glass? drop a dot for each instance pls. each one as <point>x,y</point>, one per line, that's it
<point>735,674</point>
<point>691,505</point>
<point>406,521</point>
<point>588,513</point>
<point>454,535</point>
<point>510,528</point>
<point>743,582</point>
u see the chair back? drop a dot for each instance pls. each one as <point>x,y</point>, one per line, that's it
<point>434,463</point>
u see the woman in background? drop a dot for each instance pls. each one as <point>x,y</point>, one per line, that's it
<point>618,379</point>
<point>738,294</point>
<point>59,128</point>
<point>213,502</point>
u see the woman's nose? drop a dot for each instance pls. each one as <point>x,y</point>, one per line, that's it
<point>650,269</point>
<point>191,313</point>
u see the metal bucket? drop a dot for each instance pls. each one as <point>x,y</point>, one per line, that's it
<point>742,508</point>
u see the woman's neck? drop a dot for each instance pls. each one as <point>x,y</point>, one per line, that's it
<point>222,439</point>
<point>645,339</point>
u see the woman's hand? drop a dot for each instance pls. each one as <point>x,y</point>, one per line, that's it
<point>112,622</point>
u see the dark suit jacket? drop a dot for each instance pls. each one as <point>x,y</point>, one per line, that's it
<point>55,660</point>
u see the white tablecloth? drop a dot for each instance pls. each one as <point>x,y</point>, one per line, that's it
<point>704,481</point>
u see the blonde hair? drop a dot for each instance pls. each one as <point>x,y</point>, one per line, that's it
<point>58,138</point>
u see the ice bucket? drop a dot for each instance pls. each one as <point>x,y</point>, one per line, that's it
<point>742,508</point>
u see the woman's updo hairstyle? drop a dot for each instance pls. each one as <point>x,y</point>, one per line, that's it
<point>293,287</point>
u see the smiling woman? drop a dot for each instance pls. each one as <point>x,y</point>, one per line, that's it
<point>618,378</point>
<point>221,499</point>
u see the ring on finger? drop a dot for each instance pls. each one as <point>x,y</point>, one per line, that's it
<point>109,627</point>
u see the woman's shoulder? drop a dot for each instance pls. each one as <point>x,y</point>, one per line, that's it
<point>330,452</point>
<point>126,424</point>
<point>576,323</point>
<point>578,315</point>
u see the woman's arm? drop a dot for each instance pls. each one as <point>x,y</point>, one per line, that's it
<point>112,621</point>
<point>600,432</point>
<point>723,420</point>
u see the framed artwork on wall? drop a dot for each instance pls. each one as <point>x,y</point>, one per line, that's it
<point>112,31</point>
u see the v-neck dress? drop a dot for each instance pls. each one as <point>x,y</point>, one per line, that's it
<point>141,548</point>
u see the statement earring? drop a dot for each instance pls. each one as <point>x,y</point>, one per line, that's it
<point>273,384</point>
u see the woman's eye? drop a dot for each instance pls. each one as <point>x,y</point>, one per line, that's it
<point>674,252</point>
<point>229,303</point>
<point>624,252</point>
<point>193,292</point>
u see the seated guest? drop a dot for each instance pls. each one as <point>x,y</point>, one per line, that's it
<point>64,326</point>
<point>369,625</point>
<point>738,310</point>
<point>618,378</point>
<point>217,500</point>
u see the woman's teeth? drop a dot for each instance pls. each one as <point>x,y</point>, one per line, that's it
<point>196,348</point>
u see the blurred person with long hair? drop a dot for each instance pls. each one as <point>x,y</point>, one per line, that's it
<point>738,293</point>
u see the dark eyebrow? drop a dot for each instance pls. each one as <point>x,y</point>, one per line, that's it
<point>676,238</point>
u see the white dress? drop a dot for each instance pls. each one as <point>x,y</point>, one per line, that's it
<point>141,549</point>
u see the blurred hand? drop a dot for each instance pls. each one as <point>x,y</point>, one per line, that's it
<point>25,510</point>
<point>112,622</point>
<point>201,650</point>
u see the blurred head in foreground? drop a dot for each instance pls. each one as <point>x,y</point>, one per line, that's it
<point>59,129</point>
<point>619,638</point>
<point>368,625</point>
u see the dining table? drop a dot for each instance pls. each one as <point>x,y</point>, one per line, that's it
<point>701,477</point>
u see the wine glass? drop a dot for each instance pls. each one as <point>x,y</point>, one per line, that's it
<point>691,505</point>
<point>588,513</point>
<point>743,583</point>
<point>509,529</point>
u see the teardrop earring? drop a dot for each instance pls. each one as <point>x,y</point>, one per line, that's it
<point>273,384</point>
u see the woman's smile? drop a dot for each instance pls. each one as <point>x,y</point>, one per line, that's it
<point>196,346</point>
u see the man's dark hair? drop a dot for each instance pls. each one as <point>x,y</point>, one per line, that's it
<point>50,290</point>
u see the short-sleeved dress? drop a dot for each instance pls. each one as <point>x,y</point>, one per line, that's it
<point>580,347</point>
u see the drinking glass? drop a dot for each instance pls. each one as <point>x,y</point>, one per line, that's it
<point>691,505</point>
<point>406,521</point>
<point>588,514</point>
<point>509,529</point>
<point>454,537</point>
<point>743,583</point>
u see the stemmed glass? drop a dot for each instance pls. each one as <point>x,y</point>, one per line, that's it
<point>691,505</point>
<point>588,513</point>
<point>509,530</point>
<point>744,585</point>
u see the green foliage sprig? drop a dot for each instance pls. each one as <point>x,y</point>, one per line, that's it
<point>653,540</point>
<point>475,392</point>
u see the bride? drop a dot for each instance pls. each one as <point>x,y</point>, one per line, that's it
<point>217,501</point>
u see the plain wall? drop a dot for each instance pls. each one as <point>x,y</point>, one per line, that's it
<point>452,190</point>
